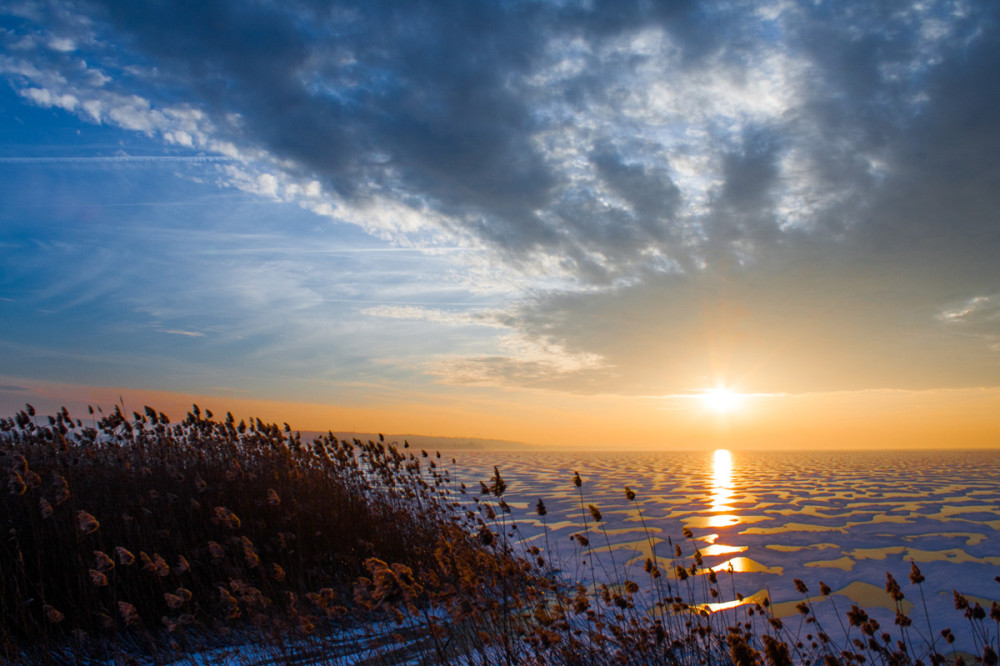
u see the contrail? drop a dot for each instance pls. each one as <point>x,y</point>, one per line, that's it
<point>115,159</point>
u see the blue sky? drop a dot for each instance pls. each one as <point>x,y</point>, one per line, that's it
<point>367,203</point>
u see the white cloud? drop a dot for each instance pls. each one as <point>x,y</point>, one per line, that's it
<point>47,98</point>
<point>63,44</point>
<point>976,307</point>
<point>267,185</point>
<point>552,355</point>
<point>189,334</point>
<point>179,137</point>
<point>93,108</point>
<point>488,318</point>
<point>978,318</point>
<point>23,43</point>
<point>522,362</point>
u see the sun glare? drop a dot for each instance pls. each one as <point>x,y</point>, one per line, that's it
<point>721,400</point>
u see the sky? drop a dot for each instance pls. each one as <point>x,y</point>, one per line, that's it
<point>555,222</point>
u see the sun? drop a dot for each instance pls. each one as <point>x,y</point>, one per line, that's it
<point>721,400</point>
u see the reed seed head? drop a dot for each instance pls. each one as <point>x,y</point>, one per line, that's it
<point>52,615</point>
<point>125,557</point>
<point>16,484</point>
<point>128,612</point>
<point>86,523</point>
<point>892,587</point>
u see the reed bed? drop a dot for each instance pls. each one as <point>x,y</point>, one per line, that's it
<point>135,540</point>
<point>138,538</point>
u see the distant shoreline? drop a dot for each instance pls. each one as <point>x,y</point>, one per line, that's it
<point>428,441</point>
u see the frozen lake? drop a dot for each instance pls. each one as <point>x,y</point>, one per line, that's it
<point>844,518</point>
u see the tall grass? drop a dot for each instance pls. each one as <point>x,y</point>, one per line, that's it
<point>135,536</point>
<point>131,538</point>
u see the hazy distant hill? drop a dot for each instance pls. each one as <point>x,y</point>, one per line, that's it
<point>427,442</point>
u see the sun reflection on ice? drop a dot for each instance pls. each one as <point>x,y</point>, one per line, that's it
<point>719,549</point>
<point>723,513</point>
<point>722,482</point>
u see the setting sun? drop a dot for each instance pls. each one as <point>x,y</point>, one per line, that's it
<point>721,400</point>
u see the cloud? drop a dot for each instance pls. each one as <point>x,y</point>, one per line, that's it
<point>976,308</point>
<point>526,361</point>
<point>44,97</point>
<point>189,334</point>
<point>467,115</point>
<point>614,140</point>
<point>978,317</point>
<point>523,360</point>
<point>791,193</point>
<point>473,318</point>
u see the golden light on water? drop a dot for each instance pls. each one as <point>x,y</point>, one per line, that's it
<point>717,520</point>
<point>757,598</point>
<point>722,490</point>
<point>719,549</point>
<point>722,480</point>
<point>746,565</point>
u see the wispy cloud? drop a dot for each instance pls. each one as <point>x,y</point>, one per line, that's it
<point>978,317</point>
<point>467,318</point>
<point>982,308</point>
<point>190,334</point>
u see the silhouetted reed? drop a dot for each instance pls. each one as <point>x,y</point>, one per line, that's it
<point>135,536</point>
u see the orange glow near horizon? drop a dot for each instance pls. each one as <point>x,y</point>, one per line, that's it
<point>872,419</point>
